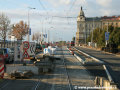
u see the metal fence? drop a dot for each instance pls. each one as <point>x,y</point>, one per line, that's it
<point>9,44</point>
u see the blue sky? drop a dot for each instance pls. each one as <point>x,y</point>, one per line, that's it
<point>41,18</point>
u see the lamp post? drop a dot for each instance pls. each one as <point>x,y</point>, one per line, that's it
<point>49,34</point>
<point>92,33</point>
<point>29,8</point>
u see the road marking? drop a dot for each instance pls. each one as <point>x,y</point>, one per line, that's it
<point>37,85</point>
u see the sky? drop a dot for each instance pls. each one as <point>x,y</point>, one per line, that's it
<point>43,18</point>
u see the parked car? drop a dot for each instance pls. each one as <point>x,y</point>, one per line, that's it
<point>1,55</point>
<point>38,48</point>
<point>12,50</point>
<point>7,54</point>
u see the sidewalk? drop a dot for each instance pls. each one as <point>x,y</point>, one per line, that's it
<point>98,49</point>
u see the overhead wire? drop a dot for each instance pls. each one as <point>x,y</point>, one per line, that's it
<point>62,17</point>
<point>70,9</point>
<point>56,16</point>
<point>42,5</point>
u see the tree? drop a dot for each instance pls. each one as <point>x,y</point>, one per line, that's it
<point>115,37</point>
<point>101,40</point>
<point>33,37</point>
<point>20,30</point>
<point>98,36</point>
<point>4,27</point>
<point>37,37</point>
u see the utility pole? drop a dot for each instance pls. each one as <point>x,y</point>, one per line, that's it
<point>107,33</point>
<point>29,8</point>
<point>48,36</point>
<point>85,33</point>
<point>92,32</point>
<point>42,32</point>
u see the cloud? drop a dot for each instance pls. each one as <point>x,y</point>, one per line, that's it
<point>39,19</point>
<point>104,3</point>
<point>61,8</point>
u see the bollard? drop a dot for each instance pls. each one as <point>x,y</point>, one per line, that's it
<point>2,65</point>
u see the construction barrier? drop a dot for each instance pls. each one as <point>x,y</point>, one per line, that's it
<point>1,67</point>
<point>105,84</point>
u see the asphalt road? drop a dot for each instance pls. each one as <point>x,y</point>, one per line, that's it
<point>111,60</point>
<point>67,75</point>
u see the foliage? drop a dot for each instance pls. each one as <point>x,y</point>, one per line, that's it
<point>115,36</point>
<point>101,40</point>
<point>20,30</point>
<point>99,36</point>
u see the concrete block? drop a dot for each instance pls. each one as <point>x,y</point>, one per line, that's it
<point>10,69</point>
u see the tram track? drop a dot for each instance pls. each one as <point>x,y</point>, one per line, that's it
<point>68,77</point>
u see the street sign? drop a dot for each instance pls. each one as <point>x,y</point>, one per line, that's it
<point>31,49</point>
<point>107,35</point>
<point>25,47</point>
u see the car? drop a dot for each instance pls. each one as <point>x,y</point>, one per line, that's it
<point>7,54</point>
<point>12,50</point>
<point>1,55</point>
<point>38,48</point>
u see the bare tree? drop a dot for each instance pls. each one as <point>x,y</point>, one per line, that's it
<point>20,30</point>
<point>4,27</point>
<point>33,37</point>
<point>36,36</point>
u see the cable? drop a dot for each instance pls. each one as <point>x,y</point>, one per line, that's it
<point>70,10</point>
<point>72,5</point>
<point>59,16</point>
<point>42,5</point>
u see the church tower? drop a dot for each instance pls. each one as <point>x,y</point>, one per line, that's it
<point>80,37</point>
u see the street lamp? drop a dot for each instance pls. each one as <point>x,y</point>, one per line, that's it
<point>92,33</point>
<point>29,8</point>
<point>49,34</point>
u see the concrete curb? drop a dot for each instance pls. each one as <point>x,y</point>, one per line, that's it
<point>80,59</point>
<point>108,74</point>
<point>90,56</point>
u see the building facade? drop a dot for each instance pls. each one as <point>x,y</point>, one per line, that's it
<point>85,25</point>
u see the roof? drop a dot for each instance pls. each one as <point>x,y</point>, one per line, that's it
<point>81,12</point>
<point>93,18</point>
